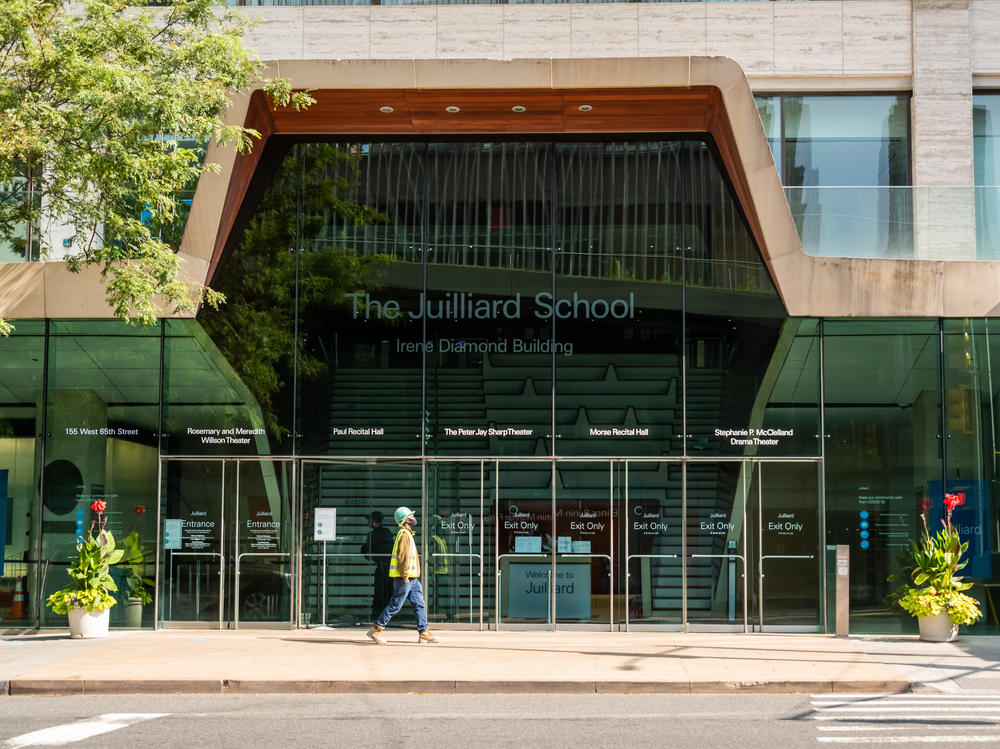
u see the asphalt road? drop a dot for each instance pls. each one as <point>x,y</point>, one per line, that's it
<point>517,721</point>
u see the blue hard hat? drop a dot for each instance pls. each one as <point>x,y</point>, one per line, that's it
<point>401,514</point>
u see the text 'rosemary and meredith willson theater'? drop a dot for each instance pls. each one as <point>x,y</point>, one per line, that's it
<point>660,302</point>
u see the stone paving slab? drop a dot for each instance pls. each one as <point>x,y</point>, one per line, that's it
<point>970,664</point>
<point>338,661</point>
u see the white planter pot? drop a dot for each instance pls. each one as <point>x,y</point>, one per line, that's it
<point>86,624</point>
<point>937,628</point>
<point>133,613</point>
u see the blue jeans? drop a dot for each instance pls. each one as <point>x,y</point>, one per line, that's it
<point>400,592</point>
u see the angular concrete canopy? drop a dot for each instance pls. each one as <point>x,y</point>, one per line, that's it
<point>628,95</point>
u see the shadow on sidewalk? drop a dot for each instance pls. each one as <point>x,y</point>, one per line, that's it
<point>701,651</point>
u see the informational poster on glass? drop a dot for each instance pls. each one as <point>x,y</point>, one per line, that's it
<point>261,531</point>
<point>647,524</point>
<point>883,520</point>
<point>788,531</point>
<point>115,517</point>
<point>715,524</point>
<point>528,595</point>
<point>173,530</point>
<point>199,532</point>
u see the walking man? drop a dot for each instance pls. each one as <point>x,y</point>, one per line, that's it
<point>404,571</point>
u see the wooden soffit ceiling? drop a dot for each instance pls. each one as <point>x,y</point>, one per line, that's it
<point>416,112</point>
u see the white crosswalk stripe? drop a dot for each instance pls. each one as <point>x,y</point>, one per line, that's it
<point>906,718</point>
<point>67,733</point>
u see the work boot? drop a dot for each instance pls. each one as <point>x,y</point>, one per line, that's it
<point>426,636</point>
<point>375,635</point>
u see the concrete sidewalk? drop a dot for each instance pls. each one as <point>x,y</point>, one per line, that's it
<point>342,661</point>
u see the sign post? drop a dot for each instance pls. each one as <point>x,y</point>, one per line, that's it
<point>324,529</point>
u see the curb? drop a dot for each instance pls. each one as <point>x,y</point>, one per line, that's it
<point>63,687</point>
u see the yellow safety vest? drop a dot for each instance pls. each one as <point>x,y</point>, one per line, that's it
<point>412,563</point>
<point>440,562</point>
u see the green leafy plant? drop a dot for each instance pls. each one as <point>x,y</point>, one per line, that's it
<point>934,561</point>
<point>134,561</point>
<point>92,585</point>
<point>99,103</point>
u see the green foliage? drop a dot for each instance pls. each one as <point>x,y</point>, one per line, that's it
<point>92,585</point>
<point>134,561</point>
<point>932,562</point>
<point>930,601</point>
<point>88,93</point>
<point>254,330</point>
<point>937,558</point>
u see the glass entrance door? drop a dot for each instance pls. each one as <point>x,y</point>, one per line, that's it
<point>716,578</point>
<point>348,534</point>
<point>648,521</point>
<point>226,538</point>
<point>460,541</point>
<point>783,511</point>
<point>584,535</point>
<point>524,531</point>
<point>753,545</point>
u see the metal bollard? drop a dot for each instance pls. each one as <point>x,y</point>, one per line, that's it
<point>843,589</point>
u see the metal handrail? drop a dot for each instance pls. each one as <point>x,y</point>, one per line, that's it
<point>346,554</point>
<point>787,556</point>
<point>719,556</point>
<point>457,554</point>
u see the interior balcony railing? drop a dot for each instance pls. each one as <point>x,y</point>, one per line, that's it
<point>923,222</point>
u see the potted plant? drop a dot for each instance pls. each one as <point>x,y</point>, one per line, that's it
<point>88,599</point>
<point>935,595</point>
<point>134,561</point>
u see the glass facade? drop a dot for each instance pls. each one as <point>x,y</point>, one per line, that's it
<point>567,356</point>
<point>986,158</point>
<point>845,164</point>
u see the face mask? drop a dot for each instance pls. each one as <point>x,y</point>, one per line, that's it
<point>413,522</point>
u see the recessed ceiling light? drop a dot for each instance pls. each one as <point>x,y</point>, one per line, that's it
<point>387,110</point>
<point>585,107</point>
<point>452,109</point>
<point>518,108</point>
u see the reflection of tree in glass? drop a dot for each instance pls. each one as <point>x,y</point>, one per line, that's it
<point>254,328</point>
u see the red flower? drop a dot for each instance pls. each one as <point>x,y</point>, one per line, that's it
<point>138,509</point>
<point>951,501</point>
<point>99,506</point>
<point>924,505</point>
